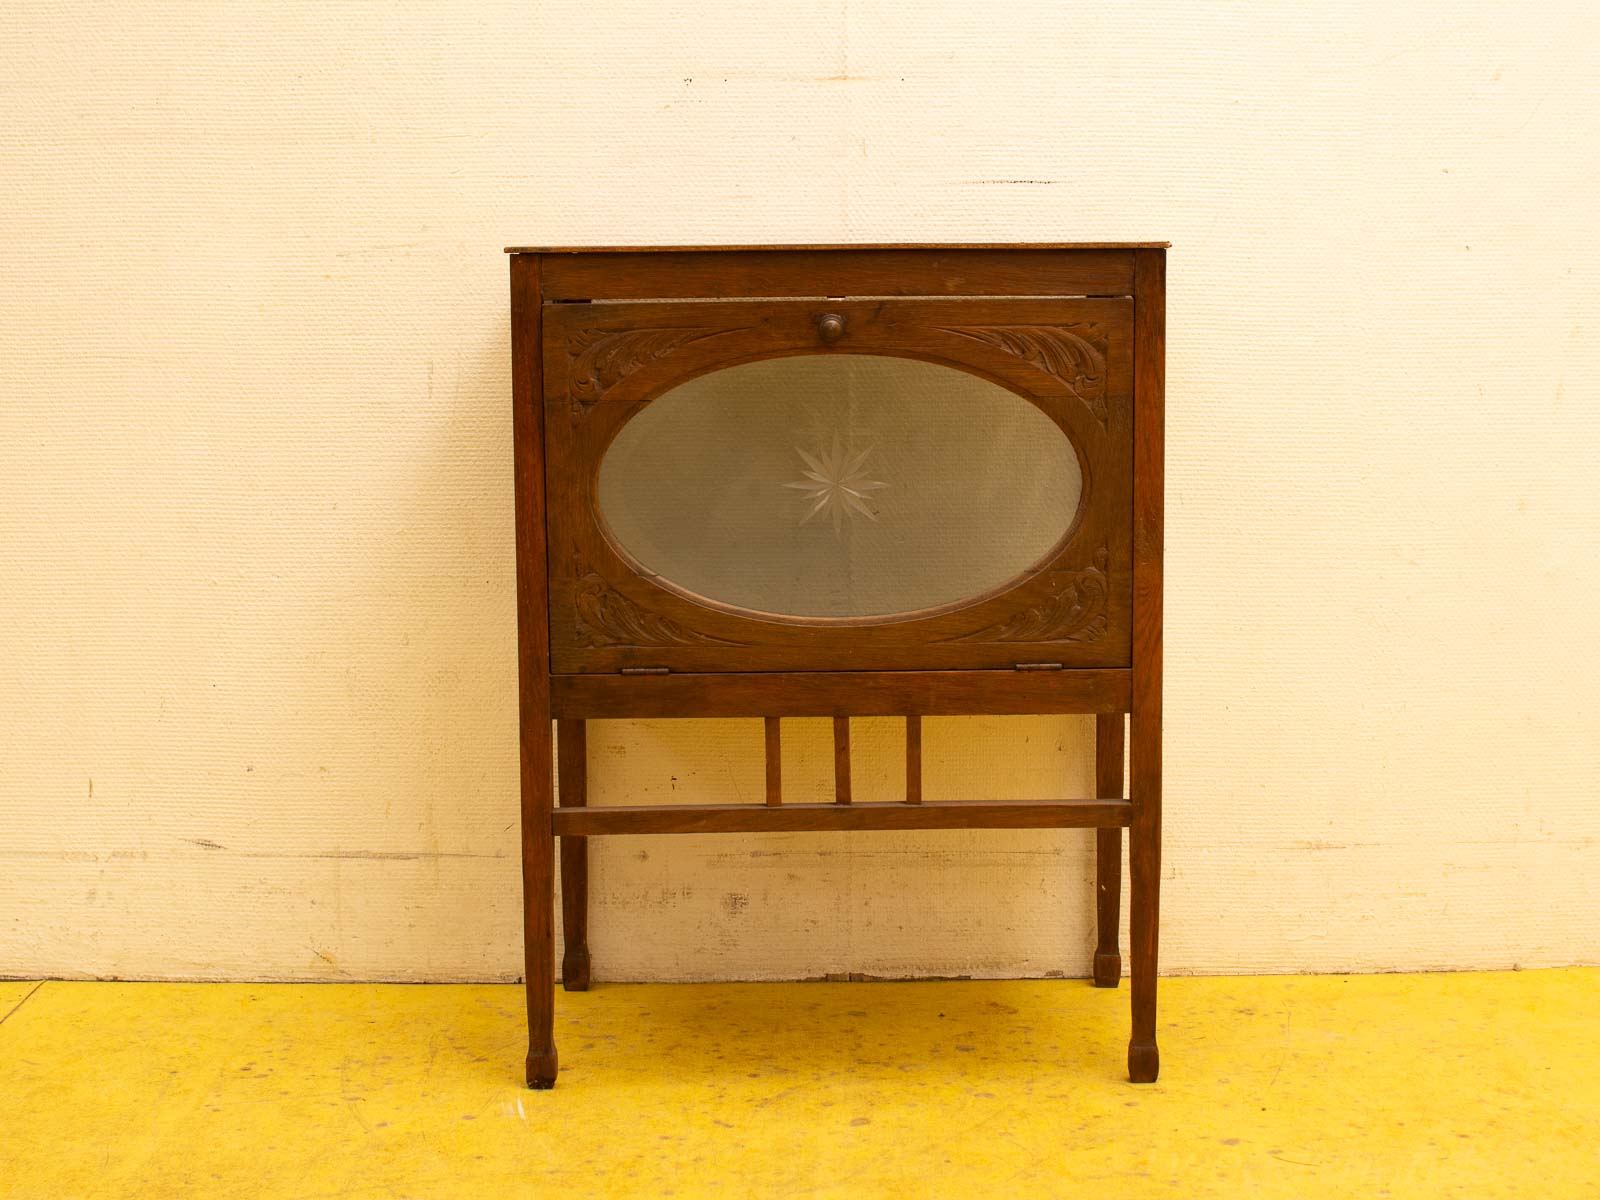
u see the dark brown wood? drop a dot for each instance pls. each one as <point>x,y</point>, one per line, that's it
<point>533,673</point>
<point>1144,836</point>
<point>841,760</point>
<point>1078,330</point>
<point>689,274</point>
<point>853,246</point>
<point>572,749</point>
<point>841,694</point>
<point>608,613</point>
<point>913,760</point>
<point>791,818</point>
<point>1108,851</point>
<point>774,762</point>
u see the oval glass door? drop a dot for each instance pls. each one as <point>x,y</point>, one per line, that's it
<point>839,486</point>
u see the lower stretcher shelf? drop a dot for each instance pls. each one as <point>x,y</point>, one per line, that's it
<point>755,818</point>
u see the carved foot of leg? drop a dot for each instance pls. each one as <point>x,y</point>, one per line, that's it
<point>1144,1062</point>
<point>1107,968</point>
<point>575,970</point>
<point>542,1069</point>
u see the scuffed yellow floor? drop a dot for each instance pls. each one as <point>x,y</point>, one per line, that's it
<point>1475,1086</point>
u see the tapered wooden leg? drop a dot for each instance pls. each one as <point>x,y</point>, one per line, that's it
<point>1144,861</point>
<point>572,746</point>
<point>1108,851</point>
<point>538,897</point>
<point>533,673</point>
<point>1144,836</point>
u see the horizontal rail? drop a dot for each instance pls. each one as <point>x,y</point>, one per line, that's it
<point>841,694</point>
<point>1000,271</point>
<point>757,818</point>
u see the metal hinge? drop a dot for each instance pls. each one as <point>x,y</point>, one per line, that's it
<point>644,670</point>
<point>1038,666</point>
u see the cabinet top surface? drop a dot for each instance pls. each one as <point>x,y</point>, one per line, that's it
<point>844,246</point>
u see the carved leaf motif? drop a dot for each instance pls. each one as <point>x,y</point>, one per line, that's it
<point>608,618</point>
<point>600,358</point>
<point>1079,362</point>
<point>1075,611</point>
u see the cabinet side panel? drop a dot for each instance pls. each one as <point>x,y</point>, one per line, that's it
<point>1149,420</point>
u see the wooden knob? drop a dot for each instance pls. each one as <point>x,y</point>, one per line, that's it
<point>830,327</point>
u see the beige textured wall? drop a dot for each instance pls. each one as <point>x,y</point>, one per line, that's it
<point>256,621</point>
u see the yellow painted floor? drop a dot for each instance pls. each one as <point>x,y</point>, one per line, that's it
<point>1478,1086</point>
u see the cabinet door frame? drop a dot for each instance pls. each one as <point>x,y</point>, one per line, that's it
<point>1071,357</point>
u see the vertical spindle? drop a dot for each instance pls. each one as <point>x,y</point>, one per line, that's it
<point>913,760</point>
<point>841,760</point>
<point>774,764</point>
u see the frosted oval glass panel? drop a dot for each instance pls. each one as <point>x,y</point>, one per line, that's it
<point>839,485</point>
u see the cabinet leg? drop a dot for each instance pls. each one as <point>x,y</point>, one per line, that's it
<point>1144,835</point>
<point>538,898</point>
<point>1144,861</point>
<point>1108,851</point>
<point>572,747</point>
<point>533,673</point>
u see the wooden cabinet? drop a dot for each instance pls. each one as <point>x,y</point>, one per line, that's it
<point>838,481</point>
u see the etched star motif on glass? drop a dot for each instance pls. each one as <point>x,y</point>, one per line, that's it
<point>836,482</point>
